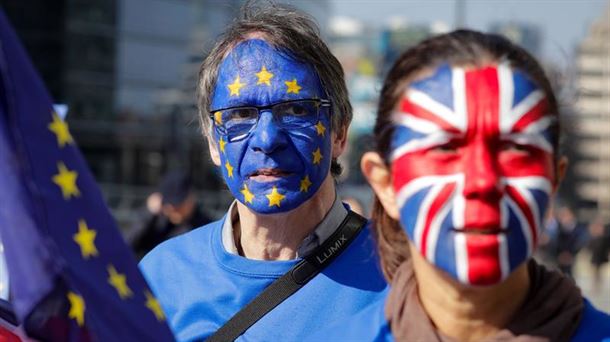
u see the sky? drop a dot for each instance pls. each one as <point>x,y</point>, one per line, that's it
<point>563,23</point>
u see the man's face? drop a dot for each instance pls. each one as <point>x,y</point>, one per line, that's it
<point>472,165</point>
<point>276,164</point>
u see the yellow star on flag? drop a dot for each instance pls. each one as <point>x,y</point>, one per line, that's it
<point>264,77</point>
<point>248,196</point>
<point>293,86</point>
<point>317,156</point>
<point>275,197</point>
<point>222,144</point>
<point>85,238</point>
<point>119,282</point>
<point>77,308</point>
<point>320,128</point>
<point>229,169</point>
<point>66,180</point>
<point>218,117</point>
<point>235,86</point>
<point>305,184</point>
<point>153,304</point>
<point>60,128</point>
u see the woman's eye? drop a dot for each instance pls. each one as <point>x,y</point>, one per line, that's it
<point>445,148</point>
<point>514,147</point>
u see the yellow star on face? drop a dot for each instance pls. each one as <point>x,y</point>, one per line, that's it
<point>235,87</point>
<point>153,304</point>
<point>305,184</point>
<point>317,156</point>
<point>293,86</point>
<point>222,144</point>
<point>248,196</point>
<point>60,128</point>
<point>85,238</point>
<point>77,308</point>
<point>119,282</point>
<point>264,77</point>
<point>218,118</point>
<point>320,128</point>
<point>66,180</point>
<point>275,197</point>
<point>229,169</point>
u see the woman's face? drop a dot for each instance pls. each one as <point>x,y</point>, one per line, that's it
<point>472,169</point>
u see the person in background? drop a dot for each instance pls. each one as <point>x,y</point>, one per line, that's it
<point>466,160</point>
<point>570,238</point>
<point>274,107</point>
<point>170,212</point>
<point>599,245</point>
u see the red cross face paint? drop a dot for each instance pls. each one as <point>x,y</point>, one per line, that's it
<point>472,165</point>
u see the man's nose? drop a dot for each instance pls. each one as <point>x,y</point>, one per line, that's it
<point>267,136</point>
<point>482,177</point>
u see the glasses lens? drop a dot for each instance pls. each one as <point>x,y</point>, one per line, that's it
<point>239,120</point>
<point>297,113</point>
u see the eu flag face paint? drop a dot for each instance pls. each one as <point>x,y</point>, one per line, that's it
<point>272,127</point>
<point>472,164</point>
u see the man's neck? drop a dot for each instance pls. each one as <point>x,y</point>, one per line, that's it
<point>278,236</point>
<point>468,313</point>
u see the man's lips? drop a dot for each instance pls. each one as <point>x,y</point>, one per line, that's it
<point>262,175</point>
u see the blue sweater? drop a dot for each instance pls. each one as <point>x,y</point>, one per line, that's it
<point>370,325</point>
<point>200,286</point>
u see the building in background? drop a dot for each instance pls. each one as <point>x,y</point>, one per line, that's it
<point>526,35</point>
<point>592,136</point>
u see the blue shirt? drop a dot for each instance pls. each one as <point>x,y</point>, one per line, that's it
<point>200,286</point>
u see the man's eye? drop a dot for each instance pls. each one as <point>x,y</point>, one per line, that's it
<point>296,109</point>
<point>242,114</point>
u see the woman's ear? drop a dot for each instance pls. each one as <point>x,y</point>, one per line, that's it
<point>379,177</point>
<point>562,167</point>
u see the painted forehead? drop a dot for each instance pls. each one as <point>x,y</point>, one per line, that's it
<point>440,106</point>
<point>255,73</point>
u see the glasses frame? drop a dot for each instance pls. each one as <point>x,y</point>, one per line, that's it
<point>323,104</point>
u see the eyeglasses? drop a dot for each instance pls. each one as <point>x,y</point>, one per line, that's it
<point>236,122</point>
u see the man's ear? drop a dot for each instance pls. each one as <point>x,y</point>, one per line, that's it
<point>379,177</point>
<point>339,141</point>
<point>213,151</point>
<point>562,167</point>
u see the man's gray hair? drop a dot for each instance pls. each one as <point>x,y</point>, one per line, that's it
<point>289,30</point>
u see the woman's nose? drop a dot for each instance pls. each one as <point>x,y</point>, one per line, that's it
<point>482,177</point>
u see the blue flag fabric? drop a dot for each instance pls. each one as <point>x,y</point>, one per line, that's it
<point>71,275</point>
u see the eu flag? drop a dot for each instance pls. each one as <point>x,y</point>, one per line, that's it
<point>71,275</point>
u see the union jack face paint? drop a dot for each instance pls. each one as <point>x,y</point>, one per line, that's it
<point>472,165</point>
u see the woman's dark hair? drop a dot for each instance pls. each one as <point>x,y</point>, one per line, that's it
<point>457,48</point>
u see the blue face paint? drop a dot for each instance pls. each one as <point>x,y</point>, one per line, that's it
<point>270,168</point>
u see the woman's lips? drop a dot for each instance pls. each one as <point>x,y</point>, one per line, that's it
<point>489,230</point>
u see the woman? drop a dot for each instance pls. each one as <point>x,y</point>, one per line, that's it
<point>467,158</point>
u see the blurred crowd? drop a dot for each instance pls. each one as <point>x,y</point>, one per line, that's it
<point>564,237</point>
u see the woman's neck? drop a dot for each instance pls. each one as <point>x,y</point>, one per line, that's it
<point>468,313</point>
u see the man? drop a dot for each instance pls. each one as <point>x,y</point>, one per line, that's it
<point>274,106</point>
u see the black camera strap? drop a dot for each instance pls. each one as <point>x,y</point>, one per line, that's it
<point>292,280</point>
